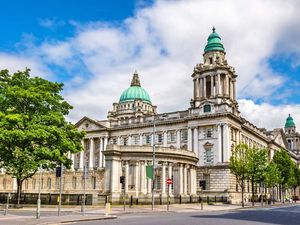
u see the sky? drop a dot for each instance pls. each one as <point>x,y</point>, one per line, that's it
<point>94,47</point>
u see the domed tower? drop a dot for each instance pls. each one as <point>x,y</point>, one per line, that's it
<point>292,137</point>
<point>289,126</point>
<point>134,104</point>
<point>214,80</point>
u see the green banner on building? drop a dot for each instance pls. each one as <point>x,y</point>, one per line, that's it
<point>149,172</point>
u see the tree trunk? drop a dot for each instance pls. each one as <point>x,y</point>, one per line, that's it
<point>252,186</point>
<point>242,193</point>
<point>19,189</point>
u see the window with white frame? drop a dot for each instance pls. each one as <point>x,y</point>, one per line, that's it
<point>159,138</point>
<point>147,139</point>
<point>184,136</point>
<point>208,132</point>
<point>136,140</point>
<point>171,136</point>
<point>208,156</point>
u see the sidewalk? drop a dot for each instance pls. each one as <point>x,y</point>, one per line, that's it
<point>26,216</point>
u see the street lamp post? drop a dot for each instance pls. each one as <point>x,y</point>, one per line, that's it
<point>60,189</point>
<point>153,166</point>
<point>38,209</point>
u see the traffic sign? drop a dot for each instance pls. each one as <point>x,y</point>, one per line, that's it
<point>169,181</point>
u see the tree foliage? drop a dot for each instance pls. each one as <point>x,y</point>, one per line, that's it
<point>33,129</point>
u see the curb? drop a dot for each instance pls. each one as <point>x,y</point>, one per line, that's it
<point>78,220</point>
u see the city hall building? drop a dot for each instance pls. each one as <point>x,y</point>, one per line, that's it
<point>192,147</point>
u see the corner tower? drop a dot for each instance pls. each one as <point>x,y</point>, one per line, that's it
<point>214,80</point>
<point>292,136</point>
<point>134,104</point>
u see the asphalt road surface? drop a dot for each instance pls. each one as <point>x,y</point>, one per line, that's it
<point>262,216</point>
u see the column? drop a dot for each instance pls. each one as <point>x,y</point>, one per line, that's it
<point>198,88</point>
<point>141,139</point>
<point>129,140</point>
<point>178,139</point>
<point>163,191</point>
<point>185,180</point>
<point>204,87</point>
<point>234,91</point>
<point>101,152</point>
<point>119,141</point>
<point>226,145</point>
<point>190,139</point>
<point>195,88</point>
<point>201,88</point>
<point>81,157</point>
<point>73,161</point>
<point>126,176</point>
<point>104,147</point>
<point>219,154</point>
<point>136,176</point>
<point>170,174</point>
<point>226,85</point>
<point>218,84</point>
<point>143,180</point>
<point>165,143</point>
<point>196,141</point>
<point>231,89</point>
<point>212,86</point>
<point>91,156</point>
<point>181,179</point>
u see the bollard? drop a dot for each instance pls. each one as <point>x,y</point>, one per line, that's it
<point>180,199</point>
<point>215,199</point>
<point>131,201</point>
<point>201,204</point>
<point>207,200</point>
<point>107,209</point>
<point>191,199</point>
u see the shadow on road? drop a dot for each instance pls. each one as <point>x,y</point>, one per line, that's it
<point>283,217</point>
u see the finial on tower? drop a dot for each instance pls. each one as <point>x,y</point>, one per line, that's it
<point>135,80</point>
<point>214,29</point>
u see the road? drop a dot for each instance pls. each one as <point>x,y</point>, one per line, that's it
<point>259,216</point>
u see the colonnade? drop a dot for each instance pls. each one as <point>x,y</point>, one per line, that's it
<point>93,156</point>
<point>183,175</point>
<point>220,85</point>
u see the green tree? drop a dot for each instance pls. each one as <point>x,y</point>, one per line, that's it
<point>296,178</point>
<point>238,165</point>
<point>272,177</point>
<point>33,129</point>
<point>285,165</point>
<point>257,161</point>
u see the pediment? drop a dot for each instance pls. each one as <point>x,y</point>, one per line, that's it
<point>280,139</point>
<point>208,145</point>
<point>87,124</point>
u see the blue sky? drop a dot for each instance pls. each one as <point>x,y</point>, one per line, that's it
<point>31,17</point>
<point>95,46</point>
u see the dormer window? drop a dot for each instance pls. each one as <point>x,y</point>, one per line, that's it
<point>210,60</point>
<point>207,108</point>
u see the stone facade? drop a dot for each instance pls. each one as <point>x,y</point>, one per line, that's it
<point>192,147</point>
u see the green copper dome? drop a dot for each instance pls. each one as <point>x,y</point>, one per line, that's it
<point>135,91</point>
<point>214,42</point>
<point>289,122</point>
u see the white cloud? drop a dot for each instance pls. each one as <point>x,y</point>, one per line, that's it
<point>14,63</point>
<point>164,42</point>
<point>269,116</point>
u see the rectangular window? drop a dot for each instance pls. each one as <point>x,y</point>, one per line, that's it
<point>49,183</point>
<point>206,178</point>
<point>160,138</point>
<point>147,139</point>
<point>33,183</point>
<point>208,132</point>
<point>171,136</point>
<point>208,156</point>
<point>115,141</point>
<point>136,140</point>
<point>184,136</point>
